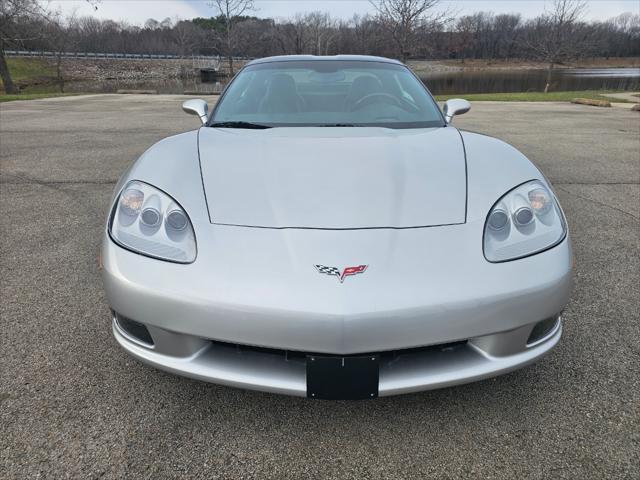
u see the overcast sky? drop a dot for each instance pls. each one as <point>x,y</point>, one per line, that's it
<point>137,11</point>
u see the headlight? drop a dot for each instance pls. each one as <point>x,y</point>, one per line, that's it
<point>150,222</point>
<point>525,221</point>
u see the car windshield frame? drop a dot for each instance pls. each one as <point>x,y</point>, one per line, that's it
<point>437,120</point>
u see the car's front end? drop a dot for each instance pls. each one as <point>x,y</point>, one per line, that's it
<point>433,270</point>
<point>249,313</point>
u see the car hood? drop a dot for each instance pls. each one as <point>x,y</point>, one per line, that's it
<point>334,178</point>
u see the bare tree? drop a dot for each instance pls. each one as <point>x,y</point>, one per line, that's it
<point>506,34</point>
<point>402,18</point>
<point>14,29</point>
<point>459,44</point>
<point>553,36</point>
<point>480,35</point>
<point>365,32</point>
<point>322,29</point>
<point>230,10</point>
<point>58,34</point>
<point>292,36</point>
<point>186,36</point>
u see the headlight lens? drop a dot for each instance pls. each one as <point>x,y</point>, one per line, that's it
<point>150,222</point>
<point>525,221</point>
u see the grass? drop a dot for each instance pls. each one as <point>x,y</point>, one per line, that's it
<point>534,96</point>
<point>35,73</point>
<point>26,70</point>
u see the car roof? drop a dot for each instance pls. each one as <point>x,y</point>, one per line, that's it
<point>321,58</point>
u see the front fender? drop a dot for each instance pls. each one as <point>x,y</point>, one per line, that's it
<point>173,166</point>
<point>493,168</point>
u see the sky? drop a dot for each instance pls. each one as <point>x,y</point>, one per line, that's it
<point>137,11</point>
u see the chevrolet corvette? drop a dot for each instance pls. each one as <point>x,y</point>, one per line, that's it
<point>328,232</point>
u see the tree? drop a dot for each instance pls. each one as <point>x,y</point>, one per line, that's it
<point>402,18</point>
<point>15,29</point>
<point>554,37</point>
<point>230,10</point>
<point>187,36</point>
<point>321,28</point>
<point>255,34</point>
<point>27,25</point>
<point>60,36</point>
<point>506,27</point>
<point>365,34</point>
<point>292,37</point>
<point>464,30</point>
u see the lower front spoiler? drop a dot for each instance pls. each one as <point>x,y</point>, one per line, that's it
<point>412,371</point>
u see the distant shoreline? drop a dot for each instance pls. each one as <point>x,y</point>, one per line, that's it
<point>37,75</point>
<point>614,97</point>
<point>430,66</point>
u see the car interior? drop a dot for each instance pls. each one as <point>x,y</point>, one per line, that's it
<point>366,93</point>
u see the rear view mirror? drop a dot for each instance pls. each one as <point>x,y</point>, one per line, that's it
<point>455,106</point>
<point>197,107</point>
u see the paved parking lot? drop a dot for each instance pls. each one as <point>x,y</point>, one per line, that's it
<point>73,404</point>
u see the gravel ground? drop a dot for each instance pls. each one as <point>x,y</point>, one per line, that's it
<point>74,405</point>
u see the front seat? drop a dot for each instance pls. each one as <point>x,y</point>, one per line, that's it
<point>282,96</point>
<point>252,97</point>
<point>361,87</point>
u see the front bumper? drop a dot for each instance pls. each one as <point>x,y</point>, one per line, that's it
<point>275,371</point>
<point>414,296</point>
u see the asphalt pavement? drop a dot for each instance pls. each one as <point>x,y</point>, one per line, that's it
<point>74,405</point>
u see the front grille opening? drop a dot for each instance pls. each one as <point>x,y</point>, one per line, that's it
<point>298,356</point>
<point>134,329</point>
<point>543,329</point>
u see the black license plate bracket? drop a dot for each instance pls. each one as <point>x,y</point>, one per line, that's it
<point>343,378</point>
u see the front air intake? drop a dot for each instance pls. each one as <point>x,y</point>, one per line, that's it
<point>137,331</point>
<point>542,330</point>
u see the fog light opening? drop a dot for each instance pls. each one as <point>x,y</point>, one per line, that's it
<point>134,331</point>
<point>543,330</point>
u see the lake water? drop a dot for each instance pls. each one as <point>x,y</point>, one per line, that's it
<point>504,81</point>
<point>441,83</point>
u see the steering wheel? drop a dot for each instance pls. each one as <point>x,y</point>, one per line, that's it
<point>375,98</point>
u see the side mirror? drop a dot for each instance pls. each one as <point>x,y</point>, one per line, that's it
<point>455,106</point>
<point>197,107</point>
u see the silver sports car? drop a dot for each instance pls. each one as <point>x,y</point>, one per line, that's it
<point>328,233</point>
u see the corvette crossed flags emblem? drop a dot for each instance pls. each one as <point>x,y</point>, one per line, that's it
<point>347,272</point>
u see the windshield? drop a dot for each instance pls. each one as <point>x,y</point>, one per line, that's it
<point>327,93</point>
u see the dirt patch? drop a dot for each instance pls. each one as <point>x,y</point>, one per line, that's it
<point>592,102</point>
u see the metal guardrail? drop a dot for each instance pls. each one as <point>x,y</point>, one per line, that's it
<point>140,56</point>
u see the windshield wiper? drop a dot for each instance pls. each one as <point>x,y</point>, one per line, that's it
<point>339,125</point>
<point>255,126</point>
